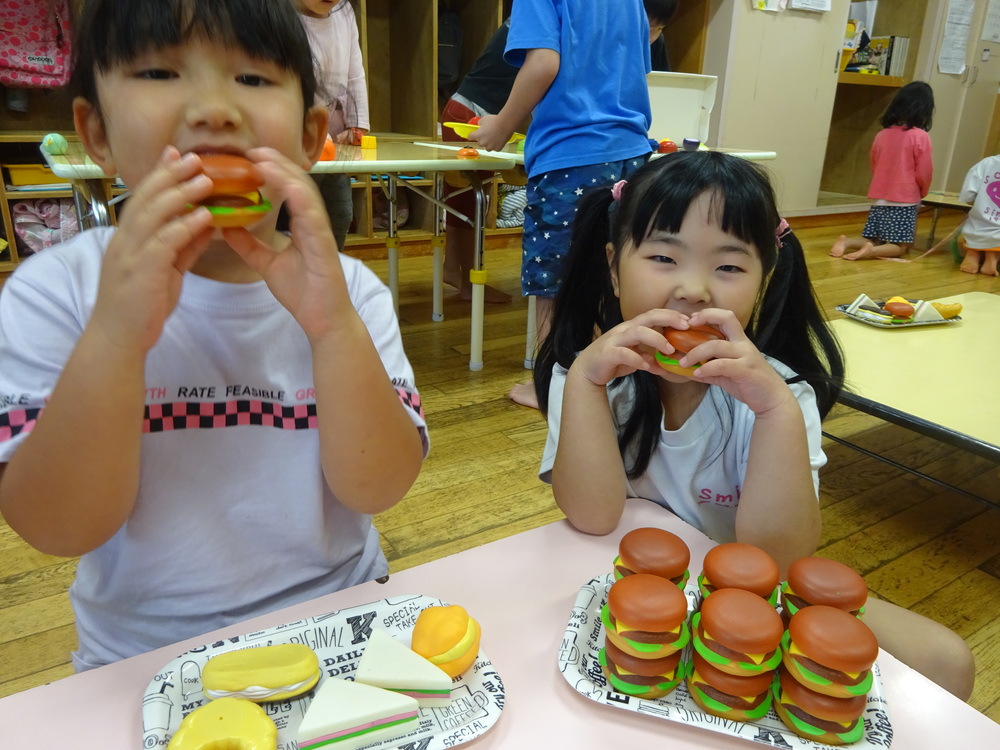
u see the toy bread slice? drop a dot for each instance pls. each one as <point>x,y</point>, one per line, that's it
<point>231,723</point>
<point>390,664</point>
<point>345,715</point>
<point>268,673</point>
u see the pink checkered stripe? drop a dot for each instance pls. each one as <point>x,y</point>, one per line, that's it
<point>16,421</point>
<point>195,415</point>
<point>411,399</point>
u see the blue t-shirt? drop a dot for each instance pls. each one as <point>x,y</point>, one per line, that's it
<point>597,108</point>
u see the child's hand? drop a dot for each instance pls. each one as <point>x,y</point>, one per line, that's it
<point>491,134</point>
<point>629,346</point>
<point>304,274</point>
<point>735,364</point>
<point>157,241</point>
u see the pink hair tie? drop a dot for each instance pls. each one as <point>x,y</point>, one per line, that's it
<point>782,230</point>
<point>616,189</point>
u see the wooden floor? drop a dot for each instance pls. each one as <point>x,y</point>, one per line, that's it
<point>925,548</point>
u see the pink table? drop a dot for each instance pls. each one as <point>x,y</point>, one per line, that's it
<point>522,590</point>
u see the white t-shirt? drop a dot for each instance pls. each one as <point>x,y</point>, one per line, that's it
<point>233,517</point>
<point>698,470</point>
<point>981,188</point>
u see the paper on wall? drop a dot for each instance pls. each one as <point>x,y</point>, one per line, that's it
<point>951,58</point>
<point>991,26</point>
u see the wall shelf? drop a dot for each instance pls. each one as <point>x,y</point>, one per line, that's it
<point>868,79</point>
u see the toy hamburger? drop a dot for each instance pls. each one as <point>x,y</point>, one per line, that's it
<point>448,637</point>
<point>737,632</point>
<point>235,200</point>
<point>641,678</point>
<point>683,342</point>
<point>830,651</point>
<point>726,695</point>
<point>819,580</point>
<point>740,566</point>
<point>815,716</point>
<point>654,551</point>
<point>646,616</point>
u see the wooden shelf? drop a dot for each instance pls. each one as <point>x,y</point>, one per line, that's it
<point>868,79</point>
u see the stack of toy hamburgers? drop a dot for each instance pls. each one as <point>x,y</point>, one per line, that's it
<point>828,652</point>
<point>645,617</point>
<point>736,633</point>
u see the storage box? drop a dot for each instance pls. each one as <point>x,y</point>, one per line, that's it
<point>681,104</point>
<point>32,174</point>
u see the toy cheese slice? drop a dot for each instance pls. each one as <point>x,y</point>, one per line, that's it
<point>345,715</point>
<point>392,665</point>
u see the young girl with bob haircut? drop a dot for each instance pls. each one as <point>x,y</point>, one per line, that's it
<point>694,239</point>
<point>204,415</point>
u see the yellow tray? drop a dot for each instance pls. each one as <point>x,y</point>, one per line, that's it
<point>464,129</point>
<point>32,174</point>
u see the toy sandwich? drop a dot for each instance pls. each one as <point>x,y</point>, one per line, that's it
<point>391,665</point>
<point>268,673</point>
<point>345,715</point>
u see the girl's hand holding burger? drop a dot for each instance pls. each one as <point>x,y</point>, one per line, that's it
<point>158,239</point>
<point>304,273</point>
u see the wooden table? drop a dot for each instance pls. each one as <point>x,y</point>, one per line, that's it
<point>522,591</point>
<point>932,379</point>
<point>390,158</point>
<point>938,199</point>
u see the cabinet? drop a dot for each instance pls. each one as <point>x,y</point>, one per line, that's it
<point>399,47</point>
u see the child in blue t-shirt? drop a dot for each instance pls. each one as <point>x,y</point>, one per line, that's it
<point>589,128</point>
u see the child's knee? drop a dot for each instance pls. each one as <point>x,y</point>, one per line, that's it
<point>955,664</point>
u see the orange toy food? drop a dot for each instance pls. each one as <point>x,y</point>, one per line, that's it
<point>835,721</point>
<point>329,150</point>
<point>448,637</point>
<point>738,632</point>
<point>666,147</point>
<point>646,616</point>
<point>468,153</point>
<point>740,566</point>
<point>640,678</point>
<point>655,551</point>
<point>684,341</point>
<point>819,580</point>
<point>899,309</point>
<point>235,200</point>
<point>830,651</point>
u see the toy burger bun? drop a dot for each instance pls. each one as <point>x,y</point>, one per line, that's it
<point>738,632</point>
<point>646,616</point>
<point>228,722</point>
<point>729,696</point>
<point>448,637</point>
<point>818,580</point>
<point>641,678</point>
<point>835,721</point>
<point>268,673</point>
<point>235,200</point>
<point>740,566</point>
<point>830,651</point>
<point>683,342</point>
<point>654,551</point>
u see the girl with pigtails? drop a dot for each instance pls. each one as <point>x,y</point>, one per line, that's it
<point>693,240</point>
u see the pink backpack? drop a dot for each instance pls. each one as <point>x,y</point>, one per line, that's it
<point>35,43</point>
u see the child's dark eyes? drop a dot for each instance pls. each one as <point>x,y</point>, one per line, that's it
<point>250,79</point>
<point>156,74</point>
<point>663,259</point>
<point>731,269</point>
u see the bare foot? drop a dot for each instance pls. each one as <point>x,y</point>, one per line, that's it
<point>866,251</point>
<point>971,262</point>
<point>989,267</point>
<point>524,394</point>
<point>839,247</point>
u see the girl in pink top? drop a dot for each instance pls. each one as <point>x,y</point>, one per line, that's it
<point>901,176</point>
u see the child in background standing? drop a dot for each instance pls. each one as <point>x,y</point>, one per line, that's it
<point>333,37</point>
<point>582,74</point>
<point>205,415</point>
<point>659,13</point>
<point>694,239</point>
<point>901,176</point>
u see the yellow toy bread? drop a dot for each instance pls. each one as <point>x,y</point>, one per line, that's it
<point>226,724</point>
<point>448,637</point>
<point>268,673</point>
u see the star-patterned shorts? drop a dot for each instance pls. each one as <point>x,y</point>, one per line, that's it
<point>553,198</point>
<point>895,224</point>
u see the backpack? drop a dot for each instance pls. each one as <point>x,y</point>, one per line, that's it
<point>449,51</point>
<point>35,43</point>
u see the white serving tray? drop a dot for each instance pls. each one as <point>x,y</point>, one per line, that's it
<point>338,638</point>
<point>578,663</point>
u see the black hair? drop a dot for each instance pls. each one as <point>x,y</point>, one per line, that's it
<point>110,33</point>
<point>911,107</point>
<point>787,323</point>
<point>660,10</point>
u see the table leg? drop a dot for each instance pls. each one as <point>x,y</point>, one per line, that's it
<point>531,335</point>
<point>437,243</point>
<point>392,244</point>
<point>934,221</point>
<point>477,275</point>
<point>91,204</point>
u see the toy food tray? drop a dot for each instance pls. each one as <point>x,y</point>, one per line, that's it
<point>866,310</point>
<point>578,663</point>
<point>465,129</point>
<point>477,697</point>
